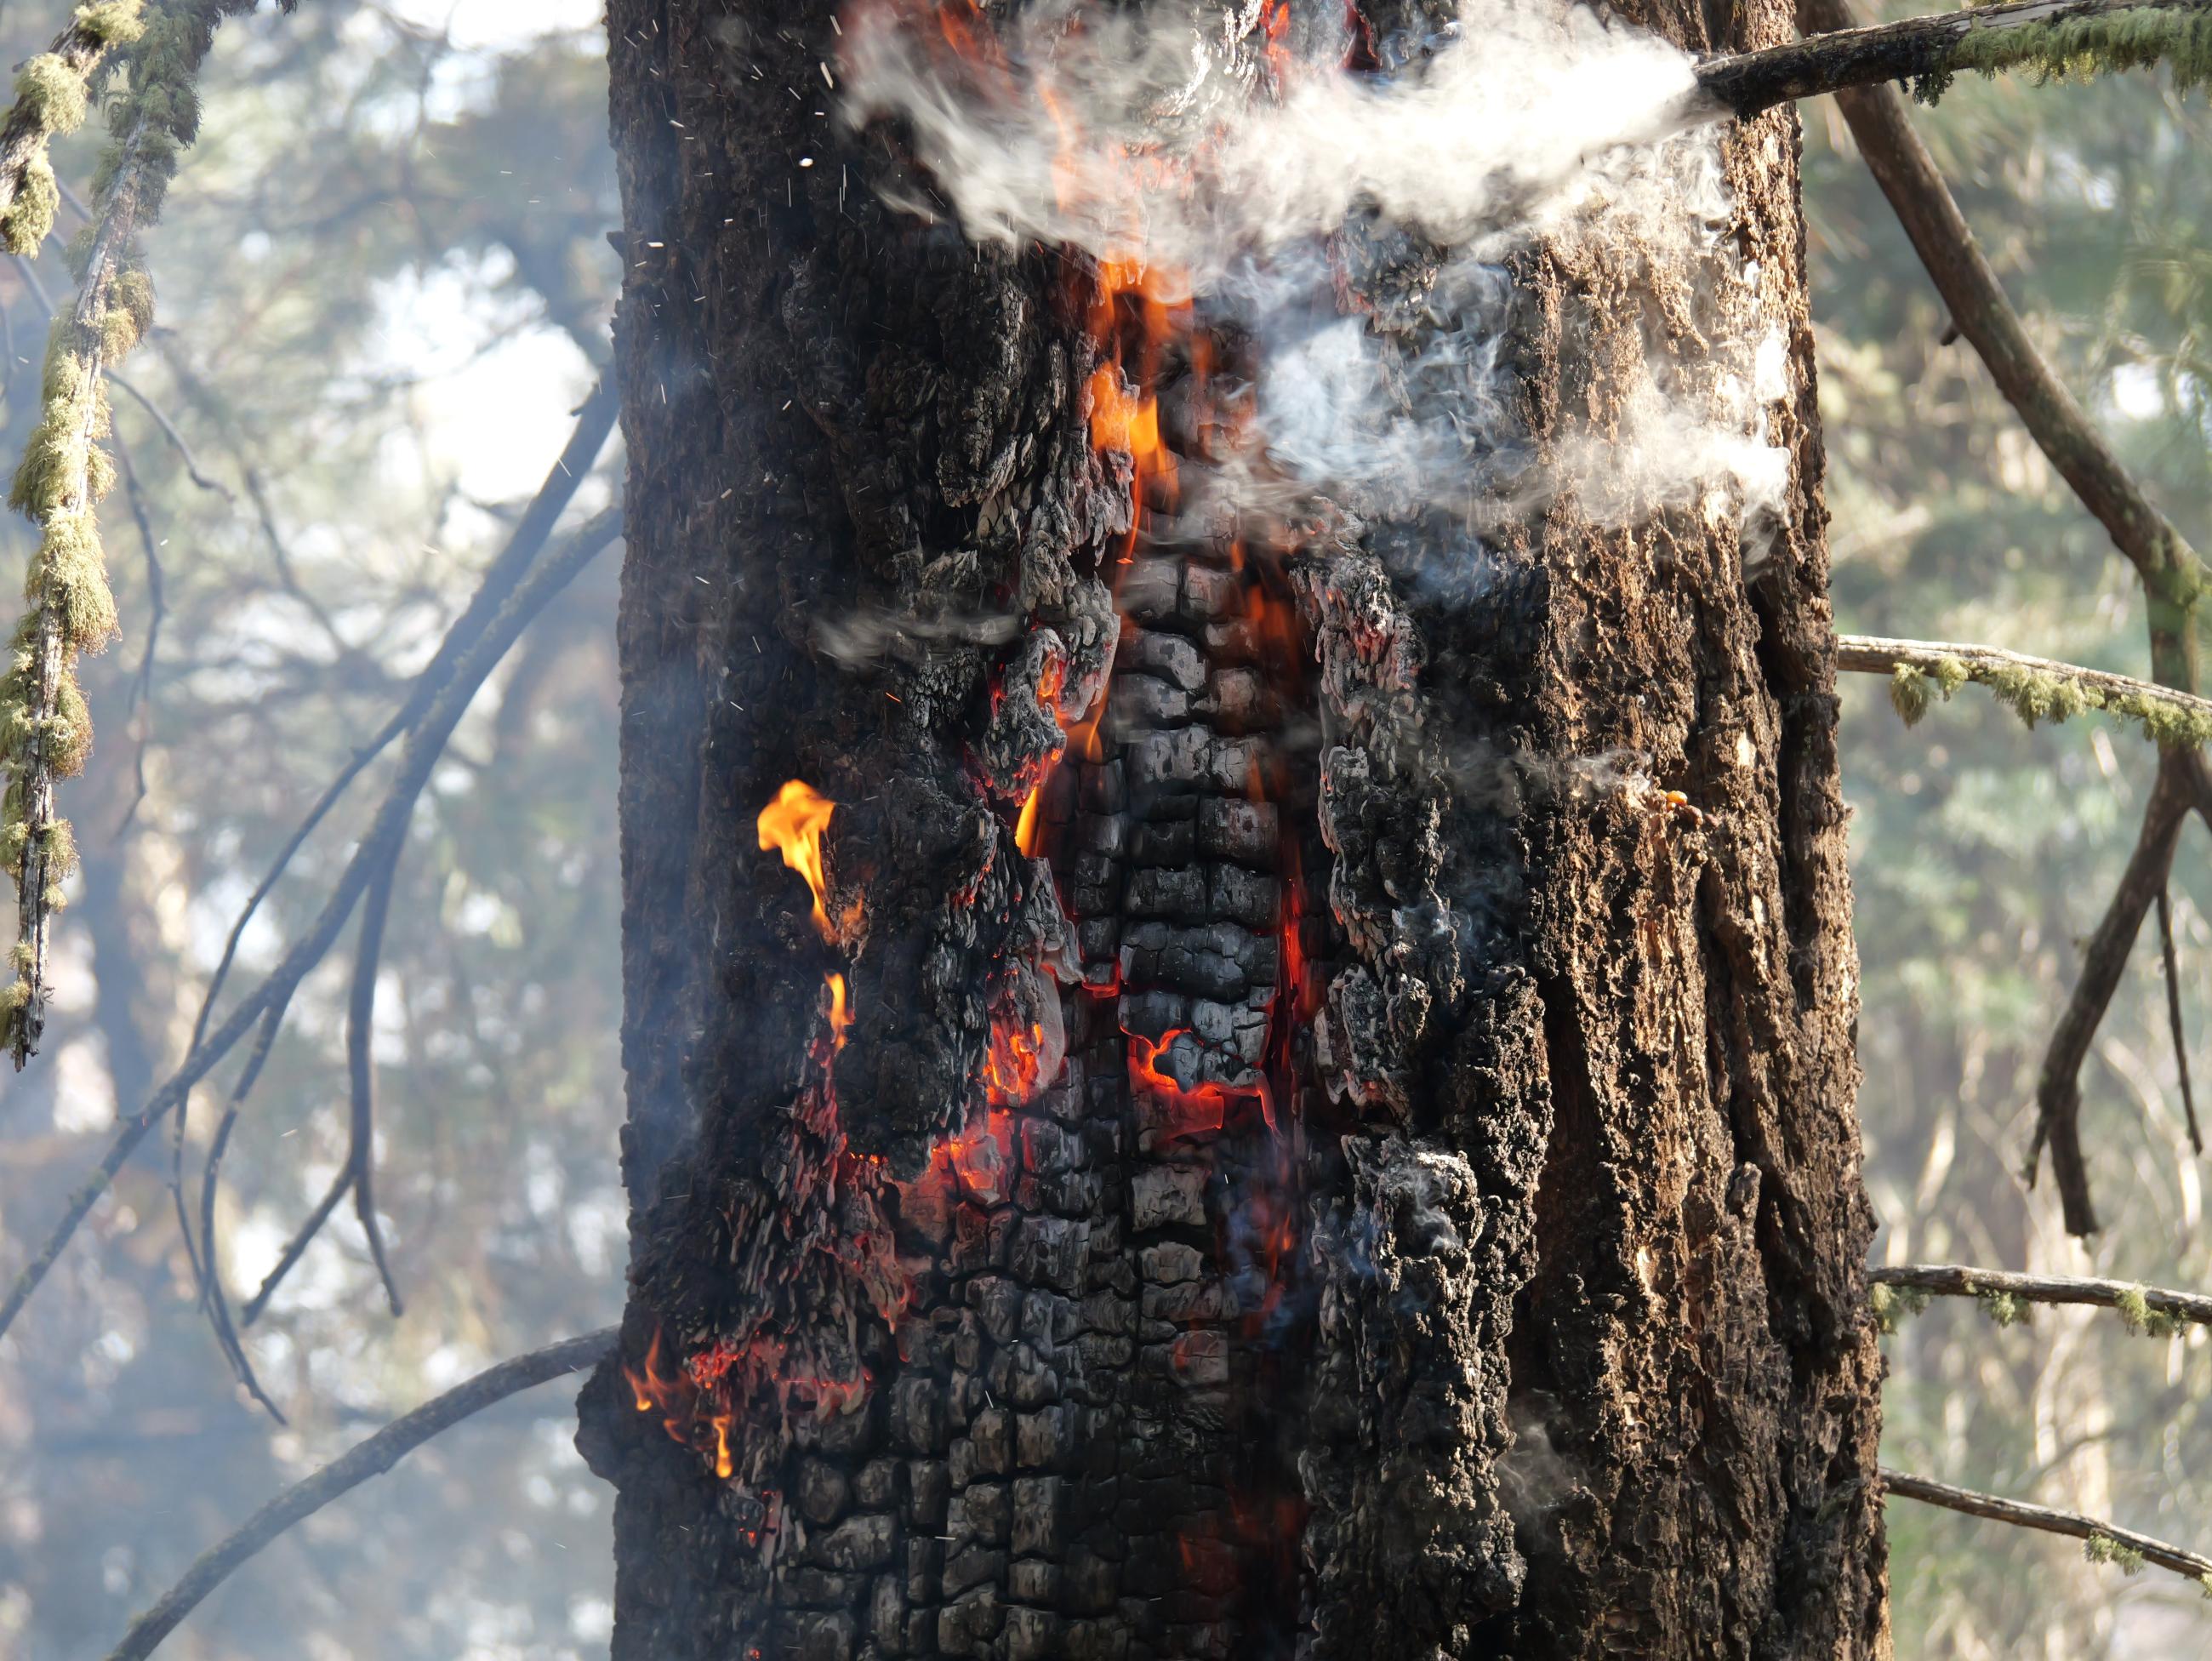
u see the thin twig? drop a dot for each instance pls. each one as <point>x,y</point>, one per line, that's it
<point>341,1185</point>
<point>142,679</point>
<point>192,470</point>
<point>361,1070</point>
<point>424,746</point>
<point>2071,1524</point>
<point>1842,57</point>
<point>2173,1016</point>
<point>1961,1280</point>
<point>370,1459</point>
<point>2059,1089</point>
<point>208,1259</point>
<point>595,419</point>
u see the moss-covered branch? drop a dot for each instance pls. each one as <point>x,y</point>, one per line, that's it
<point>2050,39</point>
<point>2034,689</point>
<point>2154,1311</point>
<point>53,92</point>
<point>45,731</point>
<point>2104,1543</point>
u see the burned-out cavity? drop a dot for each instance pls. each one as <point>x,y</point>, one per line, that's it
<point>1238,1004</point>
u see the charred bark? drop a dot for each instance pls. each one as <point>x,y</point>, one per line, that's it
<point>1322,1161</point>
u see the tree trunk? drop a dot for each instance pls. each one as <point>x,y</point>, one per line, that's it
<point>1384,1181</point>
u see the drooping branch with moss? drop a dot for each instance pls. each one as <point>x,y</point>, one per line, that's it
<point>2049,39</point>
<point>45,730</point>
<point>2102,1542</point>
<point>2034,689</point>
<point>53,92</point>
<point>2154,1311</point>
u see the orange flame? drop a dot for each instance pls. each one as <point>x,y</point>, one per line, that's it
<point>793,825</point>
<point>841,1016</point>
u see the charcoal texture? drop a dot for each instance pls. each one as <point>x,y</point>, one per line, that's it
<point>1434,1227</point>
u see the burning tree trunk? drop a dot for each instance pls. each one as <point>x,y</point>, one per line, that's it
<point>1266,570</point>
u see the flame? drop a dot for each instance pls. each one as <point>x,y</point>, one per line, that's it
<point>1051,683</point>
<point>793,825</point>
<point>841,1016</point>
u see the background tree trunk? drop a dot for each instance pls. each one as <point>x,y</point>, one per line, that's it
<point>1488,1279</point>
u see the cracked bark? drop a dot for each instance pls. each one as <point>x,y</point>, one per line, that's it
<point>1442,1236</point>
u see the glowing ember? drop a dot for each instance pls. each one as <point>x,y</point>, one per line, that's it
<point>793,825</point>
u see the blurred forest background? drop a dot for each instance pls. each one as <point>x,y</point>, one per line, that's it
<point>385,285</point>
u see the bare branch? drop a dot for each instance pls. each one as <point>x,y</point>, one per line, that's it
<point>142,679</point>
<point>360,1023</point>
<point>2035,689</point>
<point>1931,48</point>
<point>2123,1546</point>
<point>420,756</point>
<point>2058,1090</point>
<point>2173,1016</point>
<point>192,470</point>
<point>1960,1281</point>
<point>370,1459</point>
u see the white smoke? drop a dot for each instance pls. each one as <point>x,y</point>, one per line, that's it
<point>1128,138</point>
<point>1140,140</point>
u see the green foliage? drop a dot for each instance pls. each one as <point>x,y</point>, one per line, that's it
<point>2082,48</point>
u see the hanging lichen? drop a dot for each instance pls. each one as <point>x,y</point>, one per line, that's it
<point>45,731</point>
<point>53,92</point>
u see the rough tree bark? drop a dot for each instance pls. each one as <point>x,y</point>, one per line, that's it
<point>1444,1235</point>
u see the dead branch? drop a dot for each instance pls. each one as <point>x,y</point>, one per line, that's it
<point>2122,1545</point>
<point>424,746</point>
<point>142,679</point>
<point>1959,1280</point>
<point>1841,57</point>
<point>370,1459</point>
<point>2058,1090</point>
<point>2173,1016</point>
<point>2036,688</point>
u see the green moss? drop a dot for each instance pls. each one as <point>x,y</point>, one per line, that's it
<point>2004,1308</point>
<point>2101,1548</point>
<point>2079,48</point>
<point>30,216</point>
<point>1909,693</point>
<point>53,92</point>
<point>112,23</point>
<point>1894,1305</point>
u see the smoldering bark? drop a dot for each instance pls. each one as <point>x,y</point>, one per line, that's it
<point>1507,1300</point>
